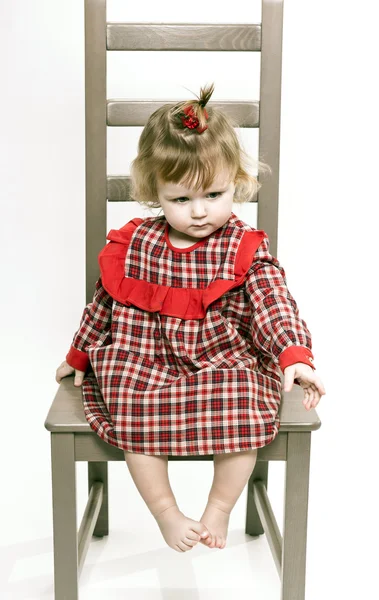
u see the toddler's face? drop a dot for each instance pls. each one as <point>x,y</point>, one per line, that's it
<point>195,214</point>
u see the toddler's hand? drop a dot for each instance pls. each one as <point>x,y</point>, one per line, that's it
<point>309,381</point>
<point>65,369</point>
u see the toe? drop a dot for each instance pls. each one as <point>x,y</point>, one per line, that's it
<point>202,530</point>
<point>207,540</point>
<point>184,546</point>
<point>190,542</point>
<point>205,534</point>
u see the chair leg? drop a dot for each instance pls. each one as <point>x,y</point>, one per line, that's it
<point>98,471</point>
<point>253,523</point>
<point>295,516</point>
<point>64,516</point>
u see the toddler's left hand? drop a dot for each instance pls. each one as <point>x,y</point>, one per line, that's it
<point>309,381</point>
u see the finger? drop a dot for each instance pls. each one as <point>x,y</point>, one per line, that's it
<point>311,398</point>
<point>308,397</point>
<point>289,376</point>
<point>316,399</point>
<point>315,382</point>
<point>319,386</point>
<point>60,373</point>
<point>306,400</point>
<point>79,376</point>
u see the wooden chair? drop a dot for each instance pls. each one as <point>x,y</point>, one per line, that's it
<point>72,439</point>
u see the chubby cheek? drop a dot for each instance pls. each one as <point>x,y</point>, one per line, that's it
<point>171,214</point>
<point>175,219</point>
<point>166,209</point>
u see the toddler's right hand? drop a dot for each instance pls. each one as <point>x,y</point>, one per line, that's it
<point>65,369</point>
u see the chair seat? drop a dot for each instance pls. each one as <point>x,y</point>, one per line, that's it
<point>66,412</point>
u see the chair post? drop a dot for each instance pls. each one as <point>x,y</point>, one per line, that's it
<point>253,524</point>
<point>269,117</point>
<point>98,471</point>
<point>64,516</point>
<point>96,137</point>
<point>295,516</point>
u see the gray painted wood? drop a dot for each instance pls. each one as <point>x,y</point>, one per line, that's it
<point>295,516</point>
<point>66,412</point>
<point>64,516</point>
<point>118,188</point>
<point>270,526</point>
<point>253,525</point>
<point>98,472</point>
<point>89,520</point>
<point>135,113</point>
<point>72,437</point>
<point>95,132</point>
<point>269,128</point>
<point>184,36</point>
<point>293,416</point>
<point>91,447</point>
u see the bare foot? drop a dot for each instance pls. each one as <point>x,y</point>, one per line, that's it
<point>180,532</point>
<point>216,520</point>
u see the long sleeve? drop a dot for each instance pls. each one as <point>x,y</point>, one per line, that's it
<point>276,328</point>
<point>94,327</point>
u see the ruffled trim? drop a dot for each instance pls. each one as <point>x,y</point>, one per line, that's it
<point>184,303</point>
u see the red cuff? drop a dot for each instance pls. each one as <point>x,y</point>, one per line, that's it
<point>295,354</point>
<point>77,359</point>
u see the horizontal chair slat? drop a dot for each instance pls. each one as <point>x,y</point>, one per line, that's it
<point>91,447</point>
<point>184,36</point>
<point>135,113</point>
<point>119,189</point>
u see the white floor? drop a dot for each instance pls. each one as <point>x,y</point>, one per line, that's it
<point>134,562</point>
<point>328,244</point>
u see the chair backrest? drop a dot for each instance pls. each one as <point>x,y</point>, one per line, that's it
<point>264,113</point>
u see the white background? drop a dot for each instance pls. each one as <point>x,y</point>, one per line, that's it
<point>327,244</point>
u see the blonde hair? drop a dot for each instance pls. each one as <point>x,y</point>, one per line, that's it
<point>173,153</point>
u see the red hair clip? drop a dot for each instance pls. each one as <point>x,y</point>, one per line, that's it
<point>191,121</point>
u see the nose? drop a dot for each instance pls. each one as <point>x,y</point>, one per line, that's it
<point>198,209</point>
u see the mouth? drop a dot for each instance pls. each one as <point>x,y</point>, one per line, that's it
<point>200,226</point>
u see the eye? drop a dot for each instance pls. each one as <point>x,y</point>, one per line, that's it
<point>215,194</point>
<point>181,200</point>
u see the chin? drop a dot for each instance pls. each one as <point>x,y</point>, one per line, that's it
<point>202,233</point>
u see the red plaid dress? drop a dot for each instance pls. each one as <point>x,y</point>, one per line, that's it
<point>183,347</point>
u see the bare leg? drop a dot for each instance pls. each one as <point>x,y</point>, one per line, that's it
<point>150,474</point>
<point>231,473</point>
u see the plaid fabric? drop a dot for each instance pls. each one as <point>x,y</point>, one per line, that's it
<point>151,260</point>
<point>159,384</point>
